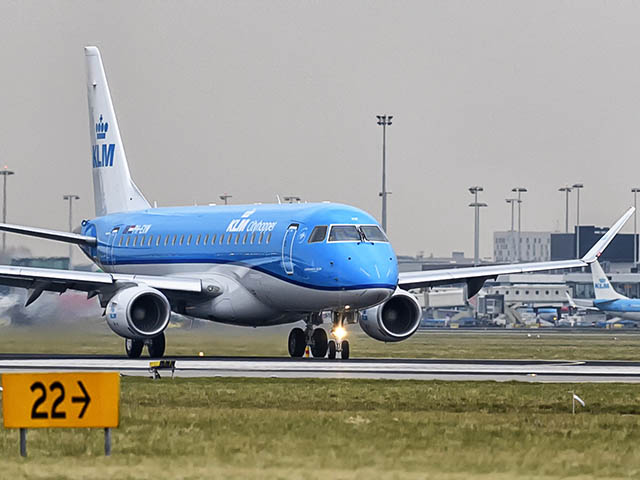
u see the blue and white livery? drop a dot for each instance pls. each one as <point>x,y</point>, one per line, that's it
<point>251,265</point>
<point>608,300</point>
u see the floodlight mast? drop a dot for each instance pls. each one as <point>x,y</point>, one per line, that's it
<point>384,120</point>
<point>476,237</point>
<point>70,197</point>
<point>577,187</point>
<point>566,189</point>
<point>519,191</point>
<point>5,173</point>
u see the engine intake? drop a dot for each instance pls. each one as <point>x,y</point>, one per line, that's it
<point>138,312</point>
<point>394,320</point>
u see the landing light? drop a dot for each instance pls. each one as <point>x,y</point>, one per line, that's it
<point>339,333</point>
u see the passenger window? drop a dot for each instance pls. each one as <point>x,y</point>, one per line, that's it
<point>253,237</point>
<point>166,240</point>
<point>158,238</point>
<point>318,234</point>
<point>244,238</point>
<point>128,239</point>
<point>344,233</point>
<point>181,239</point>
<point>189,239</point>
<point>120,241</point>
<point>213,239</point>
<point>135,240</point>
<point>237,238</point>
<point>198,240</point>
<point>173,240</point>
<point>150,241</point>
<point>268,237</point>
<point>206,239</point>
<point>221,238</point>
<point>260,238</point>
<point>229,239</point>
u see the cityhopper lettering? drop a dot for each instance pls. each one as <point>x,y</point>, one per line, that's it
<point>248,225</point>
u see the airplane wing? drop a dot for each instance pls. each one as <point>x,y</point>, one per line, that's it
<point>39,280</point>
<point>57,235</point>
<point>476,276</point>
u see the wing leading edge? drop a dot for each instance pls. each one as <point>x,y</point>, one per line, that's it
<point>39,280</point>
<point>476,276</point>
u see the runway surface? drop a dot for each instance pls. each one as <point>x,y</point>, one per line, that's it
<point>418,369</point>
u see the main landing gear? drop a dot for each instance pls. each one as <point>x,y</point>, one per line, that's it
<point>155,346</point>
<point>317,339</point>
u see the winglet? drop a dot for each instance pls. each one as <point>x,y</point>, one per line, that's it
<point>593,254</point>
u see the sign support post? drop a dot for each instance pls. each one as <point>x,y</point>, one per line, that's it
<point>107,442</point>
<point>23,442</point>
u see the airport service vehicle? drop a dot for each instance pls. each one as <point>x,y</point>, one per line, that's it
<point>608,300</point>
<point>251,265</point>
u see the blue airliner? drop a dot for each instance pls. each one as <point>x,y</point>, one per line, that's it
<point>252,265</point>
<point>608,300</point>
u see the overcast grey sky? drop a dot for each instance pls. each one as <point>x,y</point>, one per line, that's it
<point>258,98</point>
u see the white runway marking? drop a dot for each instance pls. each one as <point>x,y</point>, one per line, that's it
<point>534,371</point>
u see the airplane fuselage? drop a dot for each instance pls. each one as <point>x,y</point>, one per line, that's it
<point>624,308</point>
<point>262,256</point>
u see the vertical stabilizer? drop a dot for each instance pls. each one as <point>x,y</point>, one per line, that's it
<point>113,188</point>
<point>601,284</point>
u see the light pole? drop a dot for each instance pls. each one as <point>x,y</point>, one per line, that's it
<point>512,201</point>
<point>577,187</point>
<point>384,120</point>
<point>635,191</point>
<point>70,197</point>
<point>476,238</point>
<point>225,197</point>
<point>566,190</point>
<point>519,191</point>
<point>4,172</point>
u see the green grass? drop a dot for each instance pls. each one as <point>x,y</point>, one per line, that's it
<point>281,428</point>
<point>236,341</point>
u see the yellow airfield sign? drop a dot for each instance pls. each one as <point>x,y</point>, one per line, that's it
<point>39,400</point>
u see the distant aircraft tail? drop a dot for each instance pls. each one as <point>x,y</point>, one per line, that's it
<point>113,188</point>
<point>601,284</point>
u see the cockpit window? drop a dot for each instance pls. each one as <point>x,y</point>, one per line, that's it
<point>344,233</point>
<point>318,234</point>
<point>372,233</point>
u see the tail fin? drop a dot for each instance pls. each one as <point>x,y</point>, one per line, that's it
<point>601,284</point>
<point>113,188</point>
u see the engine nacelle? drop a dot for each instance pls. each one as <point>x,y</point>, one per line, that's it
<point>394,320</point>
<point>138,312</point>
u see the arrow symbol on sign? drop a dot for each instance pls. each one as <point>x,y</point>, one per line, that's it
<point>86,399</point>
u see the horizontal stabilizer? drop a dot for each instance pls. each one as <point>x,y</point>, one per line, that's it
<point>57,235</point>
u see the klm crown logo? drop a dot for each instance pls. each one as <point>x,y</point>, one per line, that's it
<point>101,129</point>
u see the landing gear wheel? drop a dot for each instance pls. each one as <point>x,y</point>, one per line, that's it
<point>320,343</point>
<point>133,347</point>
<point>297,342</point>
<point>345,350</point>
<point>156,346</point>
<point>332,349</point>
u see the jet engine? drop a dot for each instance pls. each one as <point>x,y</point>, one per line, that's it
<point>394,320</point>
<point>138,313</point>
